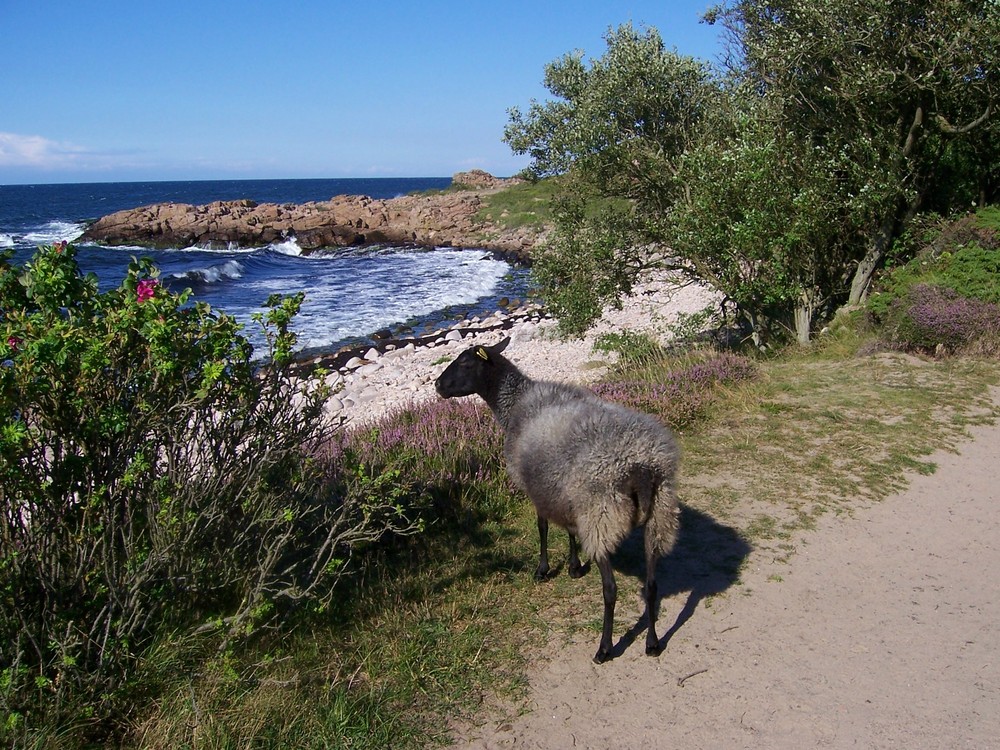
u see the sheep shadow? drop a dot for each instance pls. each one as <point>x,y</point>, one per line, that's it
<point>705,561</point>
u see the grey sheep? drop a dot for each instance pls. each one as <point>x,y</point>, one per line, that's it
<point>595,468</point>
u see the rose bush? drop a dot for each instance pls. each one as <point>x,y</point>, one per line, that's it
<point>158,479</point>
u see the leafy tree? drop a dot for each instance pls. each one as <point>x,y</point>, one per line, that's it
<point>784,183</point>
<point>896,87</point>
<point>620,120</point>
<point>761,219</point>
<point>615,131</point>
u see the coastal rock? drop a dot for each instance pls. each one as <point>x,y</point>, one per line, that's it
<point>431,220</point>
<point>480,180</point>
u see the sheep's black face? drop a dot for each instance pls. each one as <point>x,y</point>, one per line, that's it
<point>465,375</point>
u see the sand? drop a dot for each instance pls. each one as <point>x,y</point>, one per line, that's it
<point>884,633</point>
<point>375,383</point>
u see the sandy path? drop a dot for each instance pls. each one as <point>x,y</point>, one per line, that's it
<point>883,632</point>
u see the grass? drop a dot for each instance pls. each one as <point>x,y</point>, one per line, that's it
<point>444,628</point>
<point>815,436</point>
<point>528,204</point>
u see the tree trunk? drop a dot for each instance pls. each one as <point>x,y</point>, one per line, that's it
<point>862,281</point>
<point>881,242</point>
<point>804,311</point>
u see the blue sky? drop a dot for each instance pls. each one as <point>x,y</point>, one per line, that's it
<point>103,90</point>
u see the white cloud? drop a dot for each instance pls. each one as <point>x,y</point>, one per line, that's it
<point>36,151</point>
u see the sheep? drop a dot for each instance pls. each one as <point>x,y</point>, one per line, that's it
<point>594,468</point>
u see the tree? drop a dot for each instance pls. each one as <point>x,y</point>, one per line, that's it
<point>613,133</point>
<point>897,87</point>
<point>619,121</point>
<point>783,183</point>
<point>762,220</point>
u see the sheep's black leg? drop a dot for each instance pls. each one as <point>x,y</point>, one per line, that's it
<point>543,558</point>
<point>650,591</point>
<point>576,570</point>
<point>610,595</point>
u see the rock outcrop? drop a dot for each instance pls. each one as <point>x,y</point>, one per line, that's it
<point>432,220</point>
<point>477,179</point>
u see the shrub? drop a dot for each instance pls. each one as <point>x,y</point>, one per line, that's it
<point>679,396</point>
<point>963,256</point>
<point>947,298</point>
<point>155,479</point>
<point>632,347</point>
<point>934,318</point>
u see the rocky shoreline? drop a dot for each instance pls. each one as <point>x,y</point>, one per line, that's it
<point>447,219</point>
<point>372,382</point>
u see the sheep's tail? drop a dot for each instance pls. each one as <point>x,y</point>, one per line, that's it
<point>656,506</point>
<point>664,521</point>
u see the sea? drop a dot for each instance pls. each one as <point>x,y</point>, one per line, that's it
<point>350,293</point>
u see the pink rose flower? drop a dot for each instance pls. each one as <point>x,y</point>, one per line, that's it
<point>145,289</point>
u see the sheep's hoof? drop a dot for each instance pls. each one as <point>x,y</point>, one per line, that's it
<point>542,574</point>
<point>602,656</point>
<point>653,647</point>
<point>578,571</point>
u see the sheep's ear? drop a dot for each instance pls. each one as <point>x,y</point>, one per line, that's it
<point>500,346</point>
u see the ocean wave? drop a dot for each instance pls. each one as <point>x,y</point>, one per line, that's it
<point>228,271</point>
<point>287,247</point>
<point>229,247</point>
<point>6,240</point>
<point>54,231</point>
<point>391,288</point>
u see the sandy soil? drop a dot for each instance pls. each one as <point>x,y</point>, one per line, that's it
<point>883,632</point>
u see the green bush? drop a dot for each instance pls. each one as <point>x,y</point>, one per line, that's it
<point>962,255</point>
<point>948,296</point>
<point>155,480</point>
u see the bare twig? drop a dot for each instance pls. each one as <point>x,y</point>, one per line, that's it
<point>682,680</point>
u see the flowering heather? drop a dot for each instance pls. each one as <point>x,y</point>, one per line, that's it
<point>681,395</point>
<point>932,316</point>
<point>438,444</point>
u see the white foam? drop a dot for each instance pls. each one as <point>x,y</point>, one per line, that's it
<point>231,269</point>
<point>6,240</point>
<point>395,288</point>
<point>288,247</point>
<point>54,231</point>
<point>230,247</point>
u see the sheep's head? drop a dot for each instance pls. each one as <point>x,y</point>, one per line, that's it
<point>472,371</point>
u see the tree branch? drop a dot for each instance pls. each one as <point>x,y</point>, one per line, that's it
<point>947,127</point>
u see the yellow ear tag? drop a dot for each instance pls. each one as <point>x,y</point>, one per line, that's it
<point>481,353</point>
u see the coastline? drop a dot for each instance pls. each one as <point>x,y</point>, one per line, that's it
<point>447,218</point>
<point>371,382</point>
<point>385,371</point>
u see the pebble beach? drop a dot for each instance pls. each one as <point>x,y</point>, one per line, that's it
<point>380,380</point>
